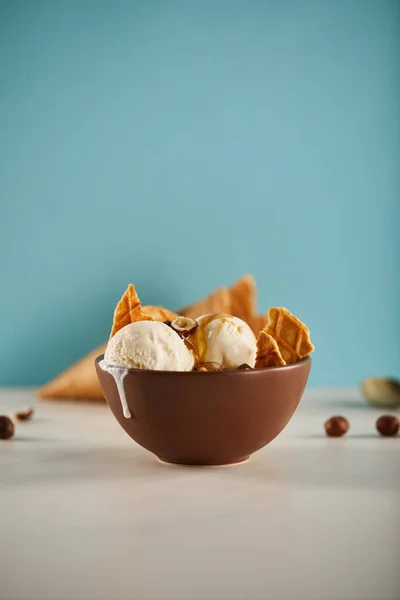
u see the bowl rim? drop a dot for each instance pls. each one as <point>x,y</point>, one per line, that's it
<point>228,372</point>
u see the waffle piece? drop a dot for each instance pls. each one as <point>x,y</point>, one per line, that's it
<point>291,335</point>
<point>128,310</point>
<point>243,298</point>
<point>219,302</point>
<point>159,313</point>
<point>268,353</point>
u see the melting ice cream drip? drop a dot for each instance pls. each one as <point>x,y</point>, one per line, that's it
<point>119,374</point>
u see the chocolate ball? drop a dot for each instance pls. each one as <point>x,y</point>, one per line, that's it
<point>388,425</point>
<point>6,428</point>
<point>336,426</point>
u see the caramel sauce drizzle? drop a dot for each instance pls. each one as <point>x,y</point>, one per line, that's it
<point>198,342</point>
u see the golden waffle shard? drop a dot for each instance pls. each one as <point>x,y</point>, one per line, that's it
<point>291,335</point>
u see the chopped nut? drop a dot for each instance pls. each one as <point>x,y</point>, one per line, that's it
<point>208,366</point>
<point>184,326</point>
<point>245,367</point>
<point>6,428</point>
<point>24,415</point>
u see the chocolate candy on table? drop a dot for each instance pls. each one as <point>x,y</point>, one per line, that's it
<point>6,428</point>
<point>388,425</point>
<point>336,426</point>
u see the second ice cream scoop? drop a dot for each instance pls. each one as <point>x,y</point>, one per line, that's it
<point>224,339</point>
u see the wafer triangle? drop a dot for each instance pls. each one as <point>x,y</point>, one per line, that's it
<point>219,302</point>
<point>128,310</point>
<point>257,322</point>
<point>268,353</point>
<point>243,298</point>
<point>291,335</point>
<point>238,300</point>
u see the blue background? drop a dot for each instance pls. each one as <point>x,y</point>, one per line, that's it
<point>179,144</point>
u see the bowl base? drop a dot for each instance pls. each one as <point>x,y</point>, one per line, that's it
<point>176,463</point>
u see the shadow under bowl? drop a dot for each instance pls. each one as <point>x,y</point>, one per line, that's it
<point>212,418</point>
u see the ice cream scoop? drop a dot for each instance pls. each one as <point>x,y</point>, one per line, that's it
<point>148,345</point>
<point>224,339</point>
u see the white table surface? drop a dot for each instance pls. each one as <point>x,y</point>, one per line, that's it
<point>87,514</point>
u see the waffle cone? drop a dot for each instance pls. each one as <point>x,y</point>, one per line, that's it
<point>243,298</point>
<point>291,335</point>
<point>78,381</point>
<point>268,353</point>
<point>216,303</point>
<point>257,322</point>
<point>128,310</point>
<point>239,300</point>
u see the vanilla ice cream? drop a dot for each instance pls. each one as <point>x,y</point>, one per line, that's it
<point>224,339</point>
<point>148,345</point>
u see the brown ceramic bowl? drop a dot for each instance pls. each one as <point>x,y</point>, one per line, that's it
<point>213,418</point>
